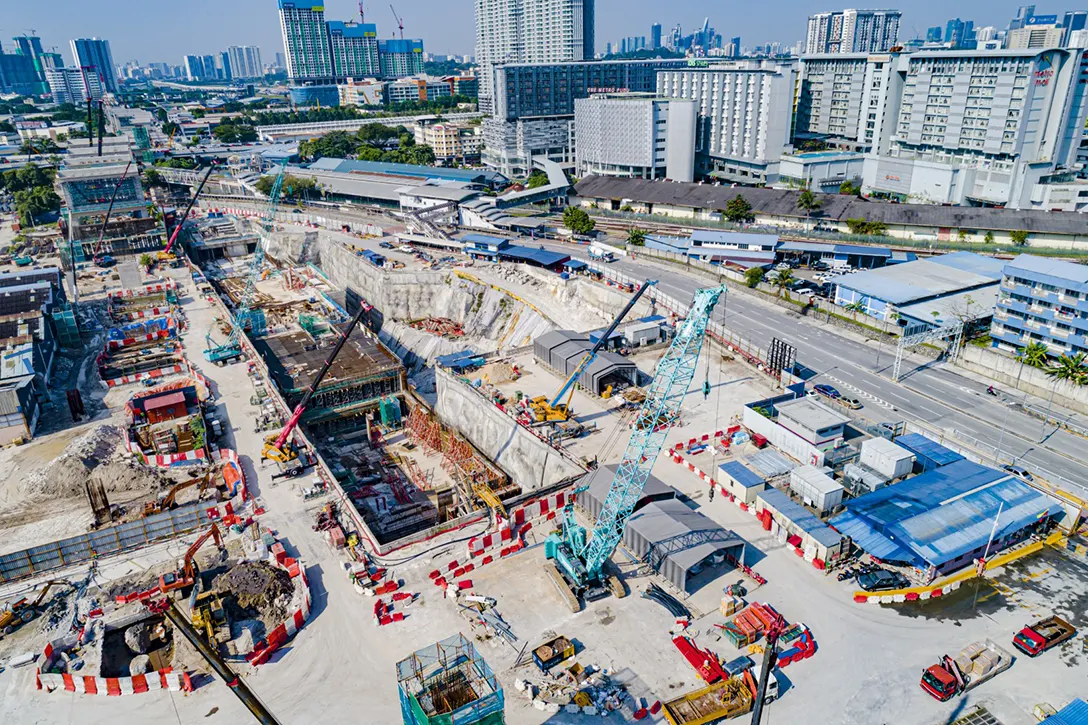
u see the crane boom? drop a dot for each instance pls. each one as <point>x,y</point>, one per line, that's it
<point>400,23</point>
<point>655,418</point>
<point>592,354</point>
<point>292,422</point>
<point>109,212</point>
<point>188,209</point>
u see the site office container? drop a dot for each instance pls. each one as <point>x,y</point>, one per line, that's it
<point>816,488</point>
<point>886,458</point>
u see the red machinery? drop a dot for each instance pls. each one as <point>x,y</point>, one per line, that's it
<point>185,576</point>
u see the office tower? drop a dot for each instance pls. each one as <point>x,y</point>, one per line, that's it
<point>933,35</point>
<point>985,34</point>
<point>1039,31</point>
<point>734,47</point>
<point>95,52</point>
<point>354,49</point>
<point>223,68</point>
<point>194,67</point>
<point>306,41</point>
<point>655,36</point>
<point>960,33</point>
<point>1022,14</point>
<point>281,61</point>
<point>245,61</point>
<point>530,31</point>
<point>852,31</point>
<point>1071,22</point>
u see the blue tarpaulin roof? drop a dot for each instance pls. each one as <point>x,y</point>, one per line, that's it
<point>827,248</point>
<point>740,473</point>
<point>800,516</point>
<point>537,256</point>
<point>871,541</point>
<point>575,264</point>
<point>943,514</point>
<point>1075,713</point>
<point>459,360</point>
<point>930,453</point>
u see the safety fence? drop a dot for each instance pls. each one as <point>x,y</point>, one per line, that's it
<point>112,540</point>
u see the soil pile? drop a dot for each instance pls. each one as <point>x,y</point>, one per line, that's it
<point>261,588</point>
<point>98,456</point>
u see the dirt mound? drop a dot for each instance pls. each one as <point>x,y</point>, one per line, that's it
<point>256,585</point>
<point>98,456</point>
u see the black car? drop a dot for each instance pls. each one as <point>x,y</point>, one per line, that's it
<point>385,245</point>
<point>879,580</point>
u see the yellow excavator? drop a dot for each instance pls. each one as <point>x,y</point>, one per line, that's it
<point>557,410</point>
<point>19,613</point>
<point>167,502</point>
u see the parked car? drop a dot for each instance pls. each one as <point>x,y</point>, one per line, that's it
<point>1019,471</point>
<point>385,245</point>
<point>879,580</point>
<point>827,391</point>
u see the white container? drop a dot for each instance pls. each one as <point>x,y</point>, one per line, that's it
<point>886,458</point>
<point>816,488</point>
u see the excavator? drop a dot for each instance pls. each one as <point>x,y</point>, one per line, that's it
<point>167,502</point>
<point>557,410</point>
<point>19,613</point>
<point>187,571</point>
<point>279,447</point>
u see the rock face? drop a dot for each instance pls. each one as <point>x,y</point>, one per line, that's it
<point>140,665</point>
<point>138,638</point>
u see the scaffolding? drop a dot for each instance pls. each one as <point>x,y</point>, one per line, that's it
<point>448,683</point>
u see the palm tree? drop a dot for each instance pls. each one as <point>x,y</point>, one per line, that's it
<point>1034,355</point>
<point>783,281</point>
<point>855,307</point>
<point>807,202</point>
<point>1070,368</point>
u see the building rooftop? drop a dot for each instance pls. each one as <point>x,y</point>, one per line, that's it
<point>832,248</point>
<point>743,475</point>
<point>922,279</point>
<point>943,514</point>
<point>294,359</point>
<point>800,516</point>
<point>1073,274</point>
<point>836,207</point>
<point>409,171</point>
<point>810,414</point>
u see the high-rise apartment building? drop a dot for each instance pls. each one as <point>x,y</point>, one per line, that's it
<point>400,58</point>
<point>851,101</point>
<point>745,115</point>
<point>852,31</point>
<point>193,66</point>
<point>982,127</point>
<point>72,85</point>
<point>634,135</point>
<point>530,31</point>
<point>354,49</point>
<point>95,52</point>
<point>224,70</point>
<point>306,41</point>
<point>245,61</point>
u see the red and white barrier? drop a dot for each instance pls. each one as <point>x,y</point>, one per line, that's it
<point>140,314</point>
<point>147,289</point>
<point>136,377</point>
<point>164,679</point>
<point>900,597</point>
<point>285,631</point>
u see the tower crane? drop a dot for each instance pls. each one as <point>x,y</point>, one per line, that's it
<point>400,23</point>
<point>576,563</point>
<point>556,411</point>
<point>362,13</point>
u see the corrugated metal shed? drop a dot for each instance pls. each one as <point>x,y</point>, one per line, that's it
<point>541,257</point>
<point>740,473</point>
<point>801,517</point>
<point>770,463</point>
<point>600,480</point>
<point>1075,713</point>
<point>948,513</point>
<point>163,401</point>
<point>901,284</point>
<point>676,540</point>
<point>930,453</point>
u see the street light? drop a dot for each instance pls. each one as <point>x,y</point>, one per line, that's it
<point>1046,416</point>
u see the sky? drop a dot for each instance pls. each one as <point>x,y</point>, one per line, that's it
<point>143,30</point>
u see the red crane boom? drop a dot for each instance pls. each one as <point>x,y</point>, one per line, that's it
<point>181,222</point>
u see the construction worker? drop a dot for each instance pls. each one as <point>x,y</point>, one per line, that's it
<point>712,492</point>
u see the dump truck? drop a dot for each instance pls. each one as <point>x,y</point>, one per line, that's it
<point>1034,639</point>
<point>975,664</point>
<point>724,699</point>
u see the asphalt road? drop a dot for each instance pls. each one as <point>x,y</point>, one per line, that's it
<point>933,394</point>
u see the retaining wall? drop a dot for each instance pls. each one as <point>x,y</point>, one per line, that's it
<point>529,461</point>
<point>1005,369</point>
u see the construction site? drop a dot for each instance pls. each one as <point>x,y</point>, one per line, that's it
<point>496,491</point>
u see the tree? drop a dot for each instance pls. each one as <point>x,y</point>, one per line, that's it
<point>234,133</point>
<point>536,179</point>
<point>160,113</point>
<point>636,237</point>
<point>739,211</point>
<point>39,146</point>
<point>807,202</point>
<point>146,260</point>
<point>753,276</point>
<point>1070,368</point>
<point>1019,237</point>
<point>989,238</point>
<point>153,177</point>
<point>1034,355</point>
<point>170,128</point>
<point>181,162</point>
<point>294,187</point>
<point>783,281</point>
<point>855,307</point>
<point>863,226</point>
<point>848,189</point>
<point>577,220</point>
<point>962,236</point>
<point>7,127</point>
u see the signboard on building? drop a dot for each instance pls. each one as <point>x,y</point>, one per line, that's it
<point>1042,20</point>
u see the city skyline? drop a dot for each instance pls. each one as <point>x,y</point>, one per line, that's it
<point>135,29</point>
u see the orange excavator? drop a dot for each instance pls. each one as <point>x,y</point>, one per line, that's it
<point>167,502</point>
<point>187,571</point>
